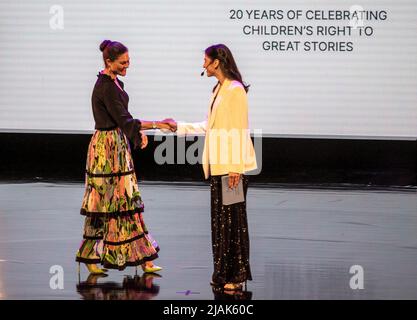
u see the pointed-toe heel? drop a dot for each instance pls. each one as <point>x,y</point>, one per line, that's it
<point>93,269</point>
<point>233,286</point>
<point>152,269</point>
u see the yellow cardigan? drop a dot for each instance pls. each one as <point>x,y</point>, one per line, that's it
<point>227,146</point>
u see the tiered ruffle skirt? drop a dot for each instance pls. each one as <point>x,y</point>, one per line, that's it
<point>115,234</point>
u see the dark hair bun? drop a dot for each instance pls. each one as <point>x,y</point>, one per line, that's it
<point>104,44</point>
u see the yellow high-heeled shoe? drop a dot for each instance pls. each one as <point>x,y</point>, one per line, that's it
<point>79,269</point>
<point>233,286</point>
<point>93,269</point>
<point>152,269</point>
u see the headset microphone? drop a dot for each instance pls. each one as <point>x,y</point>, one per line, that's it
<point>205,69</point>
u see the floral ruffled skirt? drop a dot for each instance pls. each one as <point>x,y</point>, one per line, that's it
<point>115,234</point>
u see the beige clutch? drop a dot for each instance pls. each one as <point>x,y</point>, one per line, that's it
<point>232,196</point>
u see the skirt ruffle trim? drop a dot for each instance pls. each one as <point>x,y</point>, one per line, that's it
<point>113,214</point>
<point>119,243</point>
<point>109,265</point>
<point>109,175</point>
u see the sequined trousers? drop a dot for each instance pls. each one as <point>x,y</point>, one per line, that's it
<point>230,237</point>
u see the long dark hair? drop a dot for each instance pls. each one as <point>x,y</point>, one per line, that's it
<point>227,62</point>
<point>112,50</point>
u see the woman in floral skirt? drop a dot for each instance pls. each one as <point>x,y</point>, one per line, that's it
<point>115,234</point>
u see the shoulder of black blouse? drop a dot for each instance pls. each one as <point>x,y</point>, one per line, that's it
<point>104,77</point>
<point>102,82</point>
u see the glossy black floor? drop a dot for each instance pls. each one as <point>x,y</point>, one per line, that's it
<point>303,244</point>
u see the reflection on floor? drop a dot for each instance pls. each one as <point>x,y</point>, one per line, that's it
<point>305,244</point>
<point>139,288</point>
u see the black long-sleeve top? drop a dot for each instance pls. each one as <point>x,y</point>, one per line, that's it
<point>110,109</point>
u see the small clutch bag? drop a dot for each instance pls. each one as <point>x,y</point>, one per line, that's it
<point>232,196</point>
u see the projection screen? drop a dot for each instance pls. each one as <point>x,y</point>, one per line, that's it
<point>316,68</point>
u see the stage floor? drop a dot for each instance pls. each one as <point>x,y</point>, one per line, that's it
<point>303,244</point>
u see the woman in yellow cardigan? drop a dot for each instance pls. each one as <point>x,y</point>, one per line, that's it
<point>228,150</point>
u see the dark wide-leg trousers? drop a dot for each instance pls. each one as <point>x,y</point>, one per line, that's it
<point>230,237</point>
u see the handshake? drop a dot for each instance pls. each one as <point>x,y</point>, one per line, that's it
<point>167,124</point>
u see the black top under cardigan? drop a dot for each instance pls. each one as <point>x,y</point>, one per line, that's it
<point>110,109</point>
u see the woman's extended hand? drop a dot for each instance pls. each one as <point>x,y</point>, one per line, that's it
<point>171,123</point>
<point>144,140</point>
<point>233,179</point>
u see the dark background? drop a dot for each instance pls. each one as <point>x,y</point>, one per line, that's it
<point>294,161</point>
